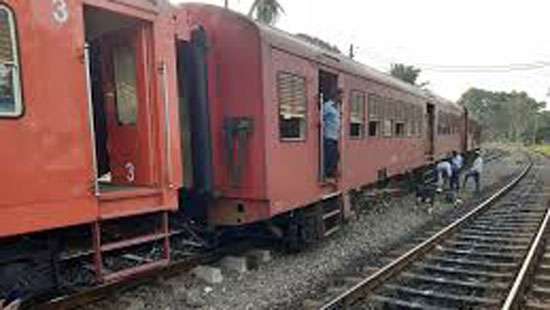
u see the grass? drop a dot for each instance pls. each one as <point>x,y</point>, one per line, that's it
<point>543,149</point>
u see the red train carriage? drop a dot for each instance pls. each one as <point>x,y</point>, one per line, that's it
<point>449,132</point>
<point>263,106</point>
<point>87,102</point>
<point>154,100</point>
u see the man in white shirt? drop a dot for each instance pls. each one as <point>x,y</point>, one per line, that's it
<point>475,171</point>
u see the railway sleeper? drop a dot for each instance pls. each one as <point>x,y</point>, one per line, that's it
<point>485,245</point>
<point>498,286</point>
<point>471,263</point>
<point>463,271</point>
<point>525,241</point>
<point>500,256</point>
<point>396,302</point>
<point>456,299</point>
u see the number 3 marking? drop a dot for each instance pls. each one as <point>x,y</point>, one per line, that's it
<point>60,12</point>
<point>131,169</point>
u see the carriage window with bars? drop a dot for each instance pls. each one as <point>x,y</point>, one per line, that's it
<point>11,102</point>
<point>411,120</point>
<point>419,121</point>
<point>389,117</point>
<point>291,90</point>
<point>400,124</point>
<point>374,115</point>
<point>357,114</point>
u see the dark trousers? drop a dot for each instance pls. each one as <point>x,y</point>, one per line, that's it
<point>331,156</point>
<point>455,180</point>
<point>473,174</point>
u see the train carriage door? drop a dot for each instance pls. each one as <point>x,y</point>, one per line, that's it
<point>118,69</point>
<point>430,119</point>
<point>328,161</point>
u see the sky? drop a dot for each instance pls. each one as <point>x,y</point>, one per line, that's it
<point>494,45</point>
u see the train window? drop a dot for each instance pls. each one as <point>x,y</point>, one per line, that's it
<point>125,84</point>
<point>399,129</point>
<point>374,115</point>
<point>374,128</point>
<point>419,121</point>
<point>291,91</point>
<point>357,114</point>
<point>11,101</point>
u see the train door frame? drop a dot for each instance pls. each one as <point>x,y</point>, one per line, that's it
<point>128,145</point>
<point>430,132</point>
<point>326,78</point>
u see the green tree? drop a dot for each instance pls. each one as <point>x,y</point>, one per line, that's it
<point>266,11</point>
<point>405,73</point>
<point>512,117</point>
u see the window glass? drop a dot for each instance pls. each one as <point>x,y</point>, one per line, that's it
<point>291,90</point>
<point>357,114</point>
<point>10,83</point>
<point>126,85</point>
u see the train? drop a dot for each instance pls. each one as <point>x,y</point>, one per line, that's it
<point>118,114</point>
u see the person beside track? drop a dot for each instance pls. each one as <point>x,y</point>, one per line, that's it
<point>475,172</point>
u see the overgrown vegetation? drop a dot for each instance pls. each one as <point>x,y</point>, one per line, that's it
<point>543,149</point>
<point>407,74</point>
<point>508,116</point>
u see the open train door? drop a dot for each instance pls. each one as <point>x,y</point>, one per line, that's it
<point>328,82</point>
<point>119,66</point>
<point>430,132</point>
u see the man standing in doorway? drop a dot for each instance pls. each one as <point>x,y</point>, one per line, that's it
<point>331,131</point>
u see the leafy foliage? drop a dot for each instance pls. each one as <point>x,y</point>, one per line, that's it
<point>318,42</point>
<point>405,73</point>
<point>506,116</point>
<point>266,11</point>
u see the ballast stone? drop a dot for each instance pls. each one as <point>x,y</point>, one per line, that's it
<point>259,256</point>
<point>235,263</point>
<point>211,275</point>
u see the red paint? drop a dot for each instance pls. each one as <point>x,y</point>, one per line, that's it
<point>283,176</point>
<point>46,155</point>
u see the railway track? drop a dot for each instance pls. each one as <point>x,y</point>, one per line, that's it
<point>485,259</point>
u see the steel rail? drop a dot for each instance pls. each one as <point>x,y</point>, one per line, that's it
<point>521,281</point>
<point>360,290</point>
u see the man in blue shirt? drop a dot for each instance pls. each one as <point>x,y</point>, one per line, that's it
<point>456,164</point>
<point>331,131</point>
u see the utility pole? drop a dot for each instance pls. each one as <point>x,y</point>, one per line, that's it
<point>351,51</point>
<point>226,4</point>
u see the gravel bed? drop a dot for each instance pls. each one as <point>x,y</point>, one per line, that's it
<point>287,279</point>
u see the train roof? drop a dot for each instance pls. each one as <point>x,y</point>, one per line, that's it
<point>291,43</point>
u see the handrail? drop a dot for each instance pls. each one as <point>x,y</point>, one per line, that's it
<point>167,128</point>
<point>91,116</point>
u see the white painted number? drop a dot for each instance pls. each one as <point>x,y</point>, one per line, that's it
<point>131,175</point>
<point>60,11</point>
